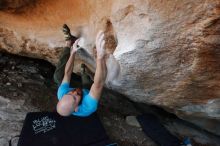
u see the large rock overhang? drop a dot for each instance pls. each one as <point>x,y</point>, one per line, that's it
<point>167,53</point>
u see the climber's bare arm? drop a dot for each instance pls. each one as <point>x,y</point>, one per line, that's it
<point>101,70</point>
<point>70,63</point>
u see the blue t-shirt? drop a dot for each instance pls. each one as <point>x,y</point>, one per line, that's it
<point>87,107</point>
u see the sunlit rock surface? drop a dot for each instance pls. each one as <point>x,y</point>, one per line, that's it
<point>167,52</point>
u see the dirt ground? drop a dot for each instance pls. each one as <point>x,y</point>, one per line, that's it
<point>31,79</point>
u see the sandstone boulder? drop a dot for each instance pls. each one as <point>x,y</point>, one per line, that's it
<point>167,52</point>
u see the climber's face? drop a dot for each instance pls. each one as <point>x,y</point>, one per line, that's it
<point>76,98</point>
<point>69,102</point>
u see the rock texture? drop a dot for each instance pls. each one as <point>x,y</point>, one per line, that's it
<point>167,52</point>
<point>12,114</point>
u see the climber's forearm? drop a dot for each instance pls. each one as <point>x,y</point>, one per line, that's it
<point>100,73</point>
<point>69,68</point>
<point>99,79</point>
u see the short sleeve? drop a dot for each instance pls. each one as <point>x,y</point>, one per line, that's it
<point>89,105</point>
<point>63,89</point>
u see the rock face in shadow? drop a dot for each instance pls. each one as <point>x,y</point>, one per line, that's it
<point>12,115</point>
<point>167,52</point>
<point>14,5</point>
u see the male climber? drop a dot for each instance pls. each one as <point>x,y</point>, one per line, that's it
<point>76,99</point>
